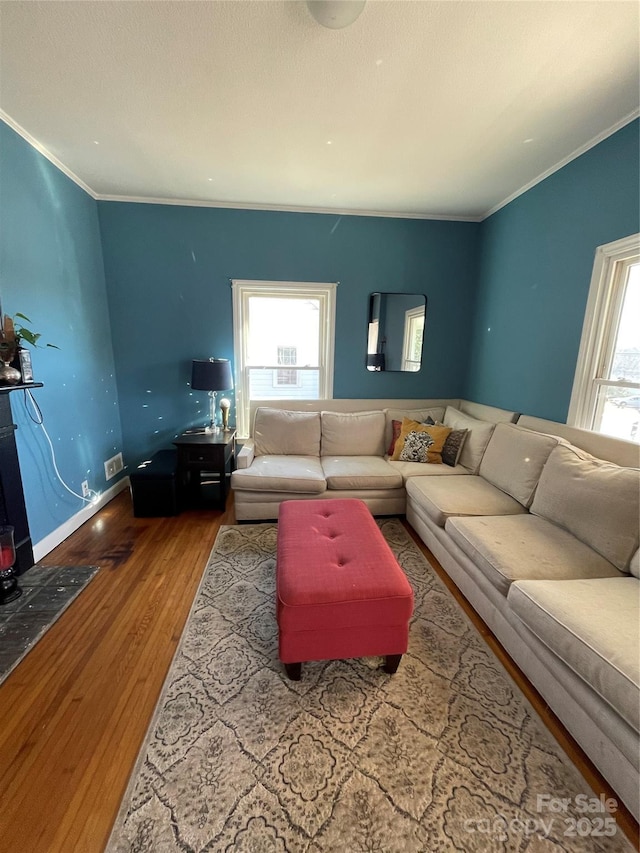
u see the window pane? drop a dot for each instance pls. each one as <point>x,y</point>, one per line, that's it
<point>263,387</point>
<point>417,331</point>
<point>618,412</point>
<point>284,326</point>
<point>625,364</point>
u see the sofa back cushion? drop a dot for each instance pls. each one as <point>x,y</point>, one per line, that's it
<point>279,432</point>
<point>597,501</point>
<point>514,459</point>
<point>353,433</point>
<point>477,438</point>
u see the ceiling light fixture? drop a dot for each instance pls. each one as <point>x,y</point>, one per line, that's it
<point>335,14</point>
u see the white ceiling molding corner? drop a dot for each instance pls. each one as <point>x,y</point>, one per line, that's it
<point>45,153</point>
<point>632,116</point>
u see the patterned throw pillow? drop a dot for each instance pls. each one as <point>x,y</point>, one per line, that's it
<point>428,449</point>
<point>453,444</point>
<point>416,447</point>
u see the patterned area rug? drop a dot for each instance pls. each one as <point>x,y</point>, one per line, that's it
<point>444,755</point>
<point>47,591</point>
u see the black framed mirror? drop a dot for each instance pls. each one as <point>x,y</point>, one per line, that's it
<point>396,331</point>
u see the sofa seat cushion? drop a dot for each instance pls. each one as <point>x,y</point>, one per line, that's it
<point>524,547</point>
<point>281,474</point>
<point>359,472</point>
<point>592,626</point>
<point>444,497</point>
<point>419,469</point>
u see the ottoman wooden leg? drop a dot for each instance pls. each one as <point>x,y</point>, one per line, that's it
<point>391,663</point>
<point>294,670</point>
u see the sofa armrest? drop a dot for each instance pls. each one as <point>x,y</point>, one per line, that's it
<point>245,455</point>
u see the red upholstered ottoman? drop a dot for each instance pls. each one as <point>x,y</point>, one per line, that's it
<point>340,591</point>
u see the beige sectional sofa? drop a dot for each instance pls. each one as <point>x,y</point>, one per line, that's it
<point>544,544</point>
<point>337,448</point>
<point>537,525</point>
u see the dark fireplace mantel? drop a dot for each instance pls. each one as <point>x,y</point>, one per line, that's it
<point>12,507</point>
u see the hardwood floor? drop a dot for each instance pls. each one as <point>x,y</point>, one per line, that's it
<point>77,707</point>
<point>74,712</point>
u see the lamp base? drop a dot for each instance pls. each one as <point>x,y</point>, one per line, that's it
<point>213,427</point>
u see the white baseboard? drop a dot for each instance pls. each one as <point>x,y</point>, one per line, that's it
<point>44,546</point>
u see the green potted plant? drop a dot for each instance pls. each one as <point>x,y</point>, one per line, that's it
<point>24,333</point>
<point>16,360</point>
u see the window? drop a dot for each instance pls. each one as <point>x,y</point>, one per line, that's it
<point>278,325</point>
<point>606,388</point>
<point>412,344</point>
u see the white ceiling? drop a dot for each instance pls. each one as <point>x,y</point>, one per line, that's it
<point>421,108</point>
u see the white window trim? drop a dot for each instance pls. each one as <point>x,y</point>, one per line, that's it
<point>604,299</point>
<point>242,291</point>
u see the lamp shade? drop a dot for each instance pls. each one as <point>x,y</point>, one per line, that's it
<point>376,361</point>
<point>211,375</point>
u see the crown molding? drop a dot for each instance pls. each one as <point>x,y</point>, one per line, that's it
<point>634,114</point>
<point>40,148</point>
<point>318,210</point>
<point>335,211</point>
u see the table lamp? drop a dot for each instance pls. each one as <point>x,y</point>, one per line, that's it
<point>212,375</point>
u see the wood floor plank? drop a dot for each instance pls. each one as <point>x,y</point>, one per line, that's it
<point>75,711</point>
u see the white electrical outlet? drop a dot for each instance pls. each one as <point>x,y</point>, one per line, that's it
<point>113,466</point>
<point>85,488</point>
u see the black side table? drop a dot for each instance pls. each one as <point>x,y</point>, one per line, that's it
<point>209,453</point>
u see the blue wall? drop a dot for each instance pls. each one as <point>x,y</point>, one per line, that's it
<point>51,270</point>
<point>168,271</point>
<point>536,261</point>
